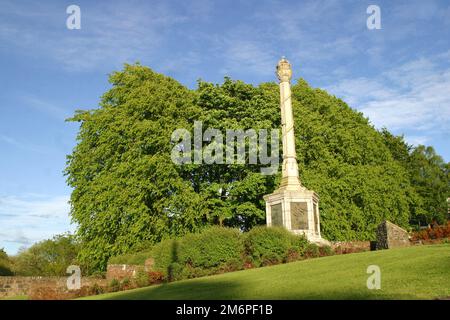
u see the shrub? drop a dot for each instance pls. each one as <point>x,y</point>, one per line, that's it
<point>175,272</point>
<point>131,258</point>
<point>114,285</point>
<point>325,251</point>
<point>165,253</point>
<point>98,274</point>
<point>215,247</point>
<point>194,255</point>
<point>312,251</point>
<point>272,258</point>
<point>294,254</point>
<point>188,272</point>
<point>126,284</point>
<point>437,232</point>
<point>217,250</point>
<point>141,278</point>
<point>300,243</point>
<point>95,289</point>
<point>234,264</point>
<point>155,277</point>
<point>270,245</point>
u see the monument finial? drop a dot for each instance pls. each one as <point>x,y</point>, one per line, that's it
<point>284,70</point>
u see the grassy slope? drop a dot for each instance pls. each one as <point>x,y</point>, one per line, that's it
<point>15,298</point>
<point>421,272</point>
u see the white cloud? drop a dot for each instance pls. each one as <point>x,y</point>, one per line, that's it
<point>109,34</point>
<point>253,46</point>
<point>412,98</point>
<point>30,218</point>
<point>248,56</point>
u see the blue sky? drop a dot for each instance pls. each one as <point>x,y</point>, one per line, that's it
<point>399,76</point>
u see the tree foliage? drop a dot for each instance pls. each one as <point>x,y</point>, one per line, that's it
<point>430,176</point>
<point>47,258</point>
<point>5,264</point>
<point>127,191</point>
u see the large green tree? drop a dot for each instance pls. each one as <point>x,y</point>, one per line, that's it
<point>430,176</point>
<point>127,192</point>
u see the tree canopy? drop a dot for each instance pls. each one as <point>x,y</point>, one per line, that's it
<point>127,192</point>
<point>49,257</point>
<point>5,264</point>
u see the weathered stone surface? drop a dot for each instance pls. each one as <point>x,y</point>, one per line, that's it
<point>121,271</point>
<point>390,235</point>
<point>343,247</point>
<point>26,286</point>
<point>277,215</point>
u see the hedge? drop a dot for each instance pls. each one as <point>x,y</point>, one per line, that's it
<point>218,249</point>
<point>194,255</point>
<point>131,258</point>
<point>273,245</point>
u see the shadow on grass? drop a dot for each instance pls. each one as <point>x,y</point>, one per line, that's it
<point>183,290</point>
<point>204,289</point>
<point>174,260</point>
<point>364,294</point>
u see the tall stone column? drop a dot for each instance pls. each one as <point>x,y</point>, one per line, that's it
<point>292,206</point>
<point>290,179</point>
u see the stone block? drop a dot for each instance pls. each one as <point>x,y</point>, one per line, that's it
<point>390,235</point>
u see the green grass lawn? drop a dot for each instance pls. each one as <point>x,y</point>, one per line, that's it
<point>421,272</point>
<point>15,298</point>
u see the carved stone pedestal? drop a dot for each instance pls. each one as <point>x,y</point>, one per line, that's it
<point>297,211</point>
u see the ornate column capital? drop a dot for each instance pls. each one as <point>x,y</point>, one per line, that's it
<point>284,70</point>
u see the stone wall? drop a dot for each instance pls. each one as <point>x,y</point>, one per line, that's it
<point>121,271</point>
<point>26,286</point>
<point>343,247</point>
<point>390,235</point>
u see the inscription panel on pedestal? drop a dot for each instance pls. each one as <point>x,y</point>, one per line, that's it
<point>276,215</point>
<point>299,216</point>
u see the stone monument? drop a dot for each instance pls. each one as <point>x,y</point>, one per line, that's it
<point>390,235</point>
<point>292,205</point>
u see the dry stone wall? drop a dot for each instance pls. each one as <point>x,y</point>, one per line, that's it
<point>25,286</point>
